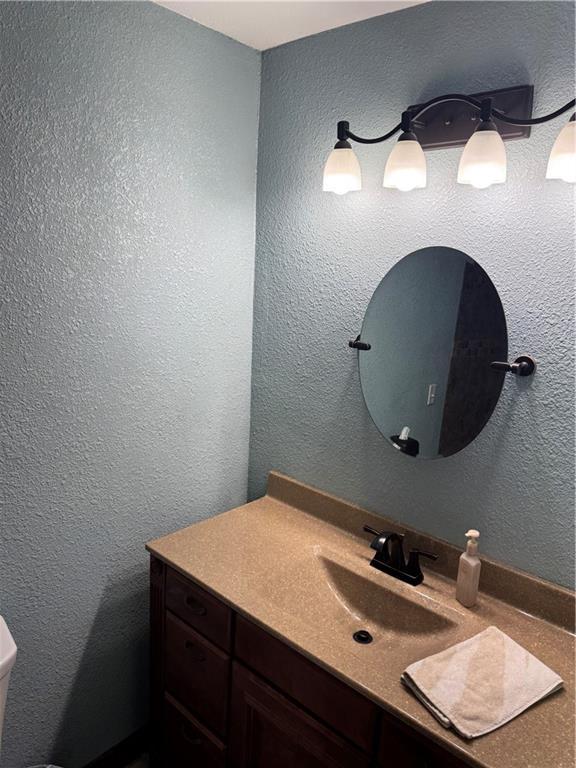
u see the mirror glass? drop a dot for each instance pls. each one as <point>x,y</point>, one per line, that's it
<point>434,325</point>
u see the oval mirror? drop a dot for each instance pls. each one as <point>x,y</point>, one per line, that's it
<point>434,325</point>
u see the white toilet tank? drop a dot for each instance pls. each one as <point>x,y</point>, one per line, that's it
<point>7,659</point>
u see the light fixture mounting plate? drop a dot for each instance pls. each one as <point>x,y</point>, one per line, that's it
<point>452,123</point>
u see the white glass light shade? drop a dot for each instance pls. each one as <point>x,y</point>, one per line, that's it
<point>405,167</point>
<point>342,172</point>
<point>483,160</point>
<point>562,161</point>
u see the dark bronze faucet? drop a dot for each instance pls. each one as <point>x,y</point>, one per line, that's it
<point>390,559</point>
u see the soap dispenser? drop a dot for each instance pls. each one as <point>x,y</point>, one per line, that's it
<point>469,572</point>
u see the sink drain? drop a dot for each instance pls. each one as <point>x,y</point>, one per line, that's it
<point>362,636</point>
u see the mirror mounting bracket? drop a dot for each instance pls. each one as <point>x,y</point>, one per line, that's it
<point>359,345</point>
<point>524,365</point>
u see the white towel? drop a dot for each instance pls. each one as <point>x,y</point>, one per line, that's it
<point>478,685</point>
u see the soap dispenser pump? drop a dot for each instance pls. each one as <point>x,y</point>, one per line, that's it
<point>469,571</point>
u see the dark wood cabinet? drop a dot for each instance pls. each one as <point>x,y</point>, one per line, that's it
<point>227,694</point>
<point>268,730</point>
<point>196,674</point>
<point>199,609</point>
<point>399,745</point>
<point>187,744</point>
<point>394,749</point>
<point>329,700</point>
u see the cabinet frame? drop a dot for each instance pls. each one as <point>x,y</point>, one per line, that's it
<point>371,739</point>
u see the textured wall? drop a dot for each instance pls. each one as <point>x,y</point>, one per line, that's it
<point>127,189</point>
<point>320,257</point>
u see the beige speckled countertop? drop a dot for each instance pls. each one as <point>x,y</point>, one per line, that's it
<point>291,560</point>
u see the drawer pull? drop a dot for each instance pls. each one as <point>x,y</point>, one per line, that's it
<point>193,740</point>
<point>196,608</point>
<point>195,654</point>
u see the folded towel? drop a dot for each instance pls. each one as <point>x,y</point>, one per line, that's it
<point>476,686</point>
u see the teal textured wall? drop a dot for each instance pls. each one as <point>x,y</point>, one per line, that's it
<point>127,189</point>
<point>320,257</point>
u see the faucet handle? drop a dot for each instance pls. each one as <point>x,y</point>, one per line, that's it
<point>420,552</point>
<point>374,532</point>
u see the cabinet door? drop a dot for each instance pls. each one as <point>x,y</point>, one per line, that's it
<point>268,730</point>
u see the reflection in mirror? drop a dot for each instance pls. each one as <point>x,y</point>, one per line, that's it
<point>434,325</point>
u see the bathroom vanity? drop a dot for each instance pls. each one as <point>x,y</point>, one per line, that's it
<point>254,661</point>
<point>227,688</point>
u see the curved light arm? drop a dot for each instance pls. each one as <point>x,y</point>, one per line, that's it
<point>534,120</point>
<point>360,140</point>
<point>345,133</point>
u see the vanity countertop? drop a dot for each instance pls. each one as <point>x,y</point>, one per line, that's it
<point>274,559</point>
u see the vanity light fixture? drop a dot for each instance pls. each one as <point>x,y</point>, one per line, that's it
<point>483,161</point>
<point>562,162</point>
<point>342,170</point>
<point>406,166</point>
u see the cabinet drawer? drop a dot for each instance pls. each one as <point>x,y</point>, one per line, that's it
<point>196,674</point>
<point>186,744</point>
<point>327,698</point>
<point>268,731</point>
<point>199,608</point>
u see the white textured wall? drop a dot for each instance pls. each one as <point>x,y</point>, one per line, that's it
<point>320,257</point>
<point>127,194</point>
